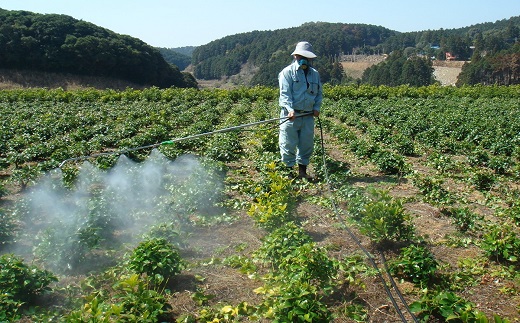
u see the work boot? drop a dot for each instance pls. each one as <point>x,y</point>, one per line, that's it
<point>302,172</point>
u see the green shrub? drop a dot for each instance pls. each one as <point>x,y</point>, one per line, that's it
<point>483,180</point>
<point>157,258</point>
<point>273,203</point>
<point>501,243</point>
<point>281,242</point>
<point>224,147</point>
<point>8,228</point>
<point>132,301</point>
<point>500,164</point>
<point>446,307</point>
<point>417,264</point>
<point>463,218</point>
<point>389,162</point>
<point>403,145</point>
<point>3,191</point>
<point>297,302</point>
<point>21,281</point>
<point>383,219</point>
<point>302,274</point>
<point>363,148</point>
<point>432,190</point>
<point>20,284</point>
<point>64,248</point>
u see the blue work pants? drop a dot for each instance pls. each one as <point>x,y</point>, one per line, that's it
<point>296,140</point>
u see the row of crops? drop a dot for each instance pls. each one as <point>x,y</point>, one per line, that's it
<point>98,241</point>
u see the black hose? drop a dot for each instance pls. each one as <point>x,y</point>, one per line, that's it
<point>358,242</point>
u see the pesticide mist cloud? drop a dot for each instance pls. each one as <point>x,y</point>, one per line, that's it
<point>114,207</point>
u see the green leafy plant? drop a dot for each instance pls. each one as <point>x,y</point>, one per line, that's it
<point>363,148</point>
<point>224,147</point>
<point>8,227</point>
<point>225,313</point>
<point>272,207</point>
<point>281,242</point>
<point>389,162</point>
<point>302,272</point>
<point>356,312</point>
<point>403,145</point>
<point>296,302</point>
<point>500,164</point>
<point>513,213</point>
<point>21,284</point>
<point>202,298</point>
<point>245,264</point>
<point>65,248</point>
<point>432,189</point>
<point>157,258</point>
<point>441,162</point>
<point>448,307</point>
<point>501,243</point>
<point>3,191</point>
<point>26,175</point>
<point>483,180</point>
<point>417,264</point>
<point>463,218</point>
<point>478,157</point>
<point>132,301</point>
<point>384,219</point>
<point>171,231</point>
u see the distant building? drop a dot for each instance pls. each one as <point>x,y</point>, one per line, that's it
<point>450,57</point>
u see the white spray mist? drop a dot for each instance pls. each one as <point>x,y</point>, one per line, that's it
<point>108,208</point>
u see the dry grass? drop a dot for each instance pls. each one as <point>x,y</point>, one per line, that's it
<point>19,79</point>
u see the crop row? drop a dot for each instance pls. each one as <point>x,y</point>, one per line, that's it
<point>466,140</point>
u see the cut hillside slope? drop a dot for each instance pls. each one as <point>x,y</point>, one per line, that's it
<point>445,72</point>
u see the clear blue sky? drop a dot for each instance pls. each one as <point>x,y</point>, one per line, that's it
<point>175,23</point>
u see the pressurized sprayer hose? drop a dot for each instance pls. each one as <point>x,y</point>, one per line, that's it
<point>172,141</point>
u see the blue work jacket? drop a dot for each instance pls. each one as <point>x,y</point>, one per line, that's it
<point>299,91</point>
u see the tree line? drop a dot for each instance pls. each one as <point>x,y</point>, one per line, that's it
<point>269,52</point>
<point>60,43</point>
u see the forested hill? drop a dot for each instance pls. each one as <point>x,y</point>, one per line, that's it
<point>62,44</point>
<point>265,53</point>
<point>269,51</point>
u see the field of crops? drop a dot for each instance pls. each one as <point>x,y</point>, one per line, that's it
<point>414,214</point>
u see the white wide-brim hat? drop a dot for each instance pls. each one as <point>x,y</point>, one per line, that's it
<point>304,49</point>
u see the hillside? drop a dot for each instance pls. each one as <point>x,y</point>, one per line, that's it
<point>267,52</point>
<point>18,79</point>
<point>246,59</point>
<point>61,44</point>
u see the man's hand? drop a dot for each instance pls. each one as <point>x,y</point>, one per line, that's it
<point>316,113</point>
<point>291,116</point>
